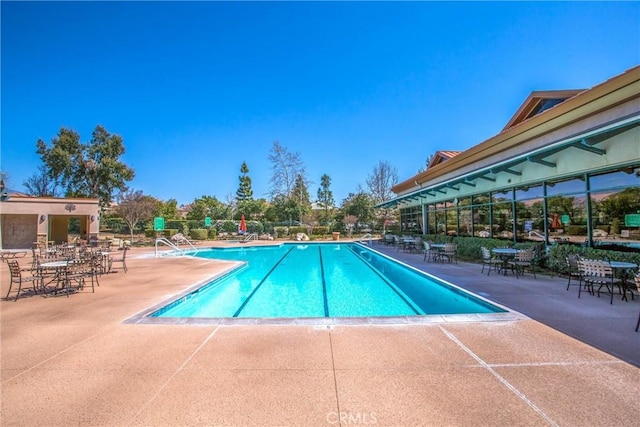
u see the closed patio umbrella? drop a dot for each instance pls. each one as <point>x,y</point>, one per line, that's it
<point>243,225</point>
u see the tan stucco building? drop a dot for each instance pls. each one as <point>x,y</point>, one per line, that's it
<point>26,219</point>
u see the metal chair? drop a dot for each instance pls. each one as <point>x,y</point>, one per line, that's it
<point>491,261</point>
<point>597,272</point>
<point>121,259</point>
<point>449,252</point>
<point>523,260</point>
<point>636,277</point>
<point>573,269</point>
<point>18,278</point>
<point>426,250</point>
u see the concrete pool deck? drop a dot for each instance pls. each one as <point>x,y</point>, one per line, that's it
<point>75,360</point>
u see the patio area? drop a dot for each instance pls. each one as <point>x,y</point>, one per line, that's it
<point>75,360</point>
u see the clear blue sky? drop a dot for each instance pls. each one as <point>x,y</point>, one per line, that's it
<point>197,88</point>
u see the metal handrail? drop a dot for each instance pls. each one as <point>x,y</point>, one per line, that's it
<point>184,239</point>
<point>535,233</point>
<point>251,236</point>
<point>166,241</point>
<point>366,236</point>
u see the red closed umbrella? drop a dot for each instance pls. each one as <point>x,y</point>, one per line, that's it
<point>243,225</point>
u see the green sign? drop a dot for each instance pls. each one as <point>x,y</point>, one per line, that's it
<point>632,220</point>
<point>565,219</point>
<point>158,223</point>
<point>207,221</point>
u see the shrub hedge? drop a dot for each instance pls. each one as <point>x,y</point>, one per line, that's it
<point>280,231</point>
<point>198,233</point>
<point>553,258</point>
<point>320,231</point>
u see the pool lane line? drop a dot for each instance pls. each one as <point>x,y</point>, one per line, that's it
<point>384,279</point>
<point>260,284</point>
<point>324,284</point>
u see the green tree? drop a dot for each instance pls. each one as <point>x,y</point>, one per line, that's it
<point>134,207</point>
<point>253,209</point>
<point>168,209</point>
<point>359,205</point>
<point>300,195</point>
<point>245,192</point>
<point>207,206</point>
<point>87,170</point>
<point>325,198</point>
<point>284,209</point>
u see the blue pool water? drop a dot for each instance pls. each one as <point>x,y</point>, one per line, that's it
<point>320,280</point>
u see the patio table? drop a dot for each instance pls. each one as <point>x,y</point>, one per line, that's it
<point>58,269</point>
<point>439,247</point>
<point>408,245</point>
<point>623,268</point>
<point>505,255</point>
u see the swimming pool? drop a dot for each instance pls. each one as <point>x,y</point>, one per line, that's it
<point>320,280</point>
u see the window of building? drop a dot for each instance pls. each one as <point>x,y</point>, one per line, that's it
<point>614,195</point>
<point>465,217</point>
<point>568,186</point>
<point>411,220</point>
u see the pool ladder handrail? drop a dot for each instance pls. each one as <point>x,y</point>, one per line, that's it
<point>364,238</point>
<point>181,238</point>
<point>250,236</point>
<point>176,250</point>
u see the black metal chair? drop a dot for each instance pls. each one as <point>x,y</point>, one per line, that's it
<point>490,260</point>
<point>121,259</point>
<point>573,269</point>
<point>636,277</point>
<point>19,279</point>
<point>449,252</point>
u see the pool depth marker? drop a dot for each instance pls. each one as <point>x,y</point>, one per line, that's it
<point>260,284</point>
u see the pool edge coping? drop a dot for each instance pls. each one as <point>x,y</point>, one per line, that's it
<point>144,316</point>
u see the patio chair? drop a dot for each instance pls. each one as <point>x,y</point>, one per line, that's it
<point>636,277</point>
<point>18,278</point>
<point>397,242</point>
<point>121,259</point>
<point>417,245</point>
<point>490,260</point>
<point>430,254</point>
<point>74,271</point>
<point>607,279</point>
<point>523,261</point>
<point>573,269</point>
<point>597,272</point>
<point>585,267</point>
<point>449,252</point>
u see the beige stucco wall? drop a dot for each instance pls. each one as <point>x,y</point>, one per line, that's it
<point>45,219</point>
<point>18,231</point>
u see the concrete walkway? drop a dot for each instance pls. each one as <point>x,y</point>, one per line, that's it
<point>592,320</point>
<point>75,361</point>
